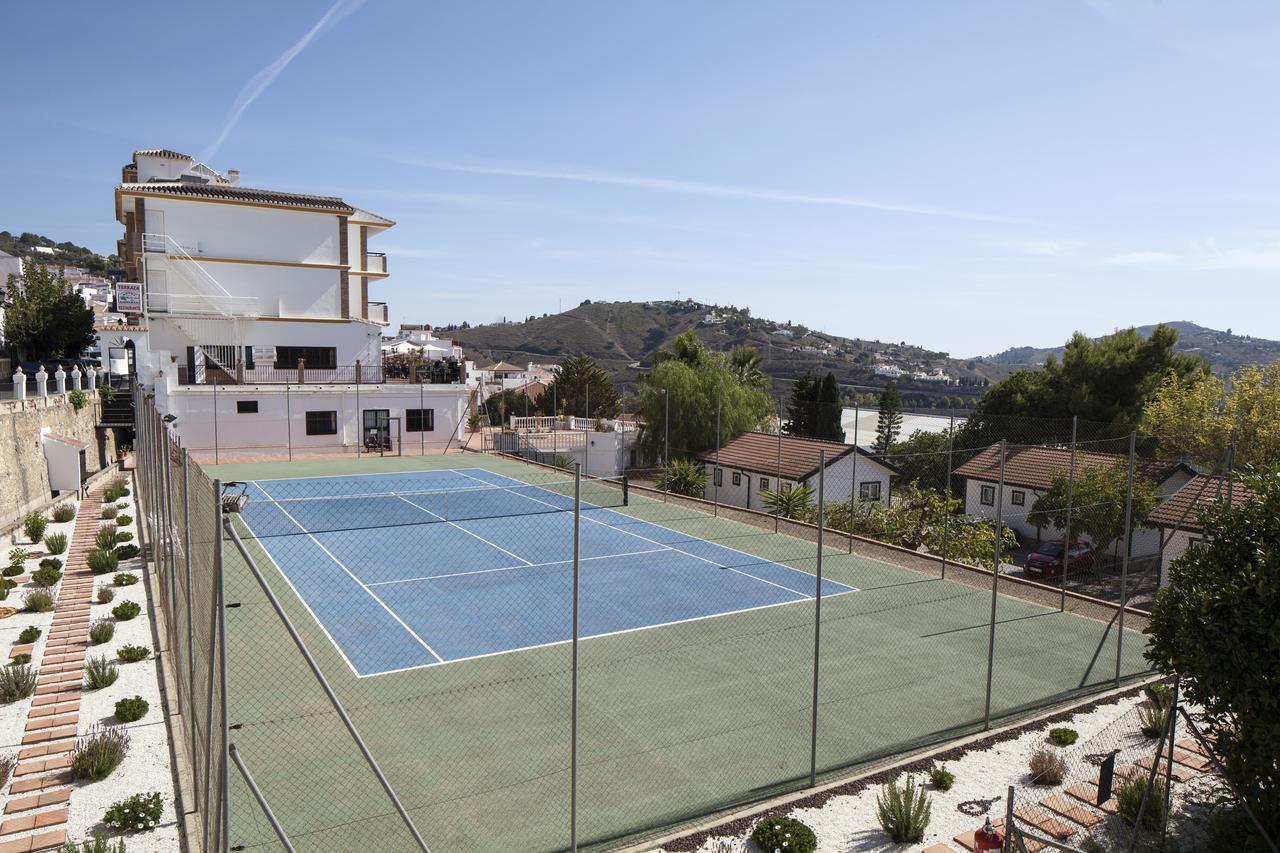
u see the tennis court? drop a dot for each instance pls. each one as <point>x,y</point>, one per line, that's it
<point>482,540</point>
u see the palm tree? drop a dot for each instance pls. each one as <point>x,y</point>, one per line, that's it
<point>797,503</point>
<point>745,363</point>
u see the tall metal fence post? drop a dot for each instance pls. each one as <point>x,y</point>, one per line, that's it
<point>191,624</point>
<point>359,420</point>
<point>206,819</point>
<point>1168,767</point>
<point>716,476</point>
<point>1128,549</point>
<point>215,419</point>
<point>995,585</point>
<point>853,478</point>
<point>666,427</point>
<point>573,701</point>
<point>288,420</point>
<point>778,483</point>
<point>170,529</point>
<point>1066,534</point>
<point>224,755</point>
<point>946,515</point>
<point>817,620</point>
<point>422,432</point>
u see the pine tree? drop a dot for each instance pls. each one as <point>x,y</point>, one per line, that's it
<point>827,423</point>
<point>800,409</point>
<point>890,422</point>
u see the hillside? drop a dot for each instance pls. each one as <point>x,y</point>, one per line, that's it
<point>622,337</point>
<point>24,245</point>
<point>1223,350</point>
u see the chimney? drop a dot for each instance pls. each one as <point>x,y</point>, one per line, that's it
<point>233,177</point>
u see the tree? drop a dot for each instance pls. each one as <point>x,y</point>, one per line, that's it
<point>1097,504</point>
<point>1216,626</point>
<point>44,317</point>
<point>683,477</point>
<point>828,410</point>
<point>582,388</point>
<point>890,422</point>
<point>796,504</point>
<point>1196,416</point>
<point>745,362</point>
<point>507,402</point>
<point>800,408</point>
<point>922,459</point>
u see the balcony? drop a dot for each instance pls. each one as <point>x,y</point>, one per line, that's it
<point>378,313</point>
<point>375,264</point>
<point>393,370</point>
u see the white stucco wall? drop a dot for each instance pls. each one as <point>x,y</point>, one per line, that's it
<point>837,486</point>
<point>244,231</point>
<point>1176,542</point>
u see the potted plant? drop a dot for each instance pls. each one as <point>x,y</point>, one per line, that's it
<point>122,453</point>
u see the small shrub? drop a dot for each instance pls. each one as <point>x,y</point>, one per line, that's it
<point>126,552</point>
<point>101,631</point>
<point>99,752</point>
<point>941,777</point>
<point>122,520</point>
<point>100,672</point>
<point>131,709</point>
<point>4,589</point>
<point>55,543</point>
<point>904,812</point>
<point>126,610</point>
<point>123,535</point>
<point>37,601</point>
<point>33,525</point>
<point>98,844</point>
<point>78,400</point>
<point>125,579</point>
<point>63,513</point>
<point>133,654</point>
<point>46,577</point>
<point>101,562</point>
<point>17,556</point>
<point>119,483</point>
<point>106,595</point>
<point>106,537</point>
<point>51,563</point>
<point>1160,693</point>
<point>7,763</point>
<point>1129,798</point>
<point>1064,737</point>
<point>17,660</point>
<point>1151,719</point>
<point>13,571</point>
<point>1047,767</point>
<point>109,511</point>
<point>772,833</point>
<point>29,635</point>
<point>139,812</point>
<point>17,682</point>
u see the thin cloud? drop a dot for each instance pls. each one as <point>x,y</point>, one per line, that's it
<point>588,176</point>
<point>1205,256</point>
<point>264,78</point>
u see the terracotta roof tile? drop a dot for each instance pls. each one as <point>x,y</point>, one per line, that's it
<point>797,459</point>
<point>328,204</point>
<point>161,152</point>
<point>1179,511</point>
<point>1033,467</point>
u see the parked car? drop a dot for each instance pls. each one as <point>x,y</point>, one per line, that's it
<point>1046,559</point>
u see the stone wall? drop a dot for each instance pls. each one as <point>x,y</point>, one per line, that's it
<point>24,476</point>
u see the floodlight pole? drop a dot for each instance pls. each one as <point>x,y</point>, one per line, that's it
<point>1066,535</point>
<point>995,584</point>
<point>946,514</point>
<point>853,478</point>
<point>1128,549</point>
<point>716,476</point>
<point>817,621</point>
<point>573,711</point>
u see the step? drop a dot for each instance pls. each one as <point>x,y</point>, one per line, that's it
<point>43,841</point>
<point>1176,770</point>
<point>54,797</point>
<point>1045,822</point>
<point>44,750</point>
<point>1087,792</point>
<point>1072,810</point>
<point>37,820</point>
<point>40,783</point>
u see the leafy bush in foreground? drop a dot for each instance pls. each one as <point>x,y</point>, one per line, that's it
<point>106,537</point>
<point>1064,736</point>
<point>17,682</point>
<point>126,610</point>
<point>99,752</point>
<point>101,562</point>
<point>55,543</point>
<point>101,631</point>
<point>125,579</point>
<point>131,709</point>
<point>1047,767</point>
<point>1129,798</point>
<point>29,634</point>
<point>126,552</point>
<point>941,777</point>
<point>34,525</point>
<point>109,511</point>
<point>100,672</point>
<point>63,513</point>
<point>133,654</point>
<point>139,812</point>
<point>903,812</point>
<point>37,601</point>
<point>784,833</point>
<point>46,577</point>
<point>98,844</point>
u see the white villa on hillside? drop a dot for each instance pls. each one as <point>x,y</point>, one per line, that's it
<point>231,292</point>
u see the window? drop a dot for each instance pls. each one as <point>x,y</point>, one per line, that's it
<point>322,423</point>
<point>869,491</point>
<point>419,420</point>
<point>988,496</point>
<point>1018,497</point>
<point>1193,541</point>
<point>786,488</point>
<point>317,358</point>
<point>718,478</point>
<point>246,407</point>
<point>737,478</point>
<point>764,484</point>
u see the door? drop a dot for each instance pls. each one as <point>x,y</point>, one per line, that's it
<point>376,431</point>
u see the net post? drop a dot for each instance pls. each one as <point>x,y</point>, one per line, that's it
<point>1066,534</point>
<point>817,621</point>
<point>573,707</point>
<point>1128,549</point>
<point>626,490</point>
<point>995,585</point>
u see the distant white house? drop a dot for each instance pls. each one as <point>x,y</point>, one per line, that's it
<point>890,370</point>
<point>756,462</point>
<point>782,333</point>
<point>936,376</point>
<point>9,265</point>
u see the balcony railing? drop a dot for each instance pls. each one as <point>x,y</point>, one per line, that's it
<point>445,372</point>
<point>376,262</point>
<point>378,312</point>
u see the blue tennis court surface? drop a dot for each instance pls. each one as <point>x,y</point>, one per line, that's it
<point>415,569</point>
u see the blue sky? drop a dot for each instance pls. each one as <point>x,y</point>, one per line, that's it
<point>965,176</point>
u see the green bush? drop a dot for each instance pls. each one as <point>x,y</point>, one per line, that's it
<point>55,543</point>
<point>1064,737</point>
<point>99,752</point>
<point>904,812</point>
<point>133,654</point>
<point>47,576</point>
<point>33,526</point>
<point>16,682</point>
<point>106,537</point>
<point>100,843</point>
<point>101,631</point>
<point>101,562</point>
<point>51,563</point>
<point>1160,693</point>
<point>100,672</point>
<point>139,812</point>
<point>62,513</point>
<point>1129,798</point>
<point>125,579</point>
<point>1151,718</point>
<point>29,634</point>
<point>37,601</point>
<point>131,709</point>
<point>17,660</point>
<point>109,511</point>
<point>683,477</point>
<point>941,777</point>
<point>784,833</point>
<point>123,519</point>
<point>123,535</point>
<point>1047,767</point>
<point>126,552</point>
<point>7,762</point>
<point>13,571</point>
<point>106,595</point>
<point>126,610</point>
<point>17,556</point>
<point>78,400</point>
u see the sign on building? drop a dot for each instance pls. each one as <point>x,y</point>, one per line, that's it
<point>129,297</point>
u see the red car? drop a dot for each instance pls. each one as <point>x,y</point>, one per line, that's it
<point>1046,559</point>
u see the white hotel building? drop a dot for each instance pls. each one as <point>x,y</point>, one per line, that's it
<point>250,320</point>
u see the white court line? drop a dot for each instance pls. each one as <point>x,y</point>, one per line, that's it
<point>677,550</point>
<point>514,568</point>
<point>463,529</point>
<point>350,574</point>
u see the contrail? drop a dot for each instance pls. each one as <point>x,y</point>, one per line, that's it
<point>264,78</point>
